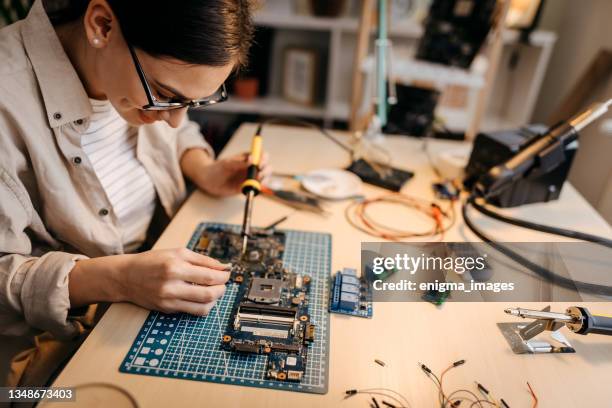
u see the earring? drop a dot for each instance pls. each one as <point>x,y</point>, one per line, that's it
<point>96,41</point>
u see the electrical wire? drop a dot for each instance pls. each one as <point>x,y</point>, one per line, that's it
<point>405,400</point>
<point>452,400</point>
<point>543,228</point>
<point>544,273</point>
<point>447,400</point>
<point>357,216</point>
<point>350,393</point>
<point>533,395</point>
<point>303,123</point>
<point>441,394</point>
<point>480,401</point>
<point>380,165</point>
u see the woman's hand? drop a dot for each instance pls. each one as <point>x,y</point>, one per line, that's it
<point>222,177</point>
<point>170,281</point>
<point>177,280</point>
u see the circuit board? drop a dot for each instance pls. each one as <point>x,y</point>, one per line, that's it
<point>350,295</point>
<point>270,329</point>
<point>270,312</point>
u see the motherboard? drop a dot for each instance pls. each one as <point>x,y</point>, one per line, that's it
<point>269,315</point>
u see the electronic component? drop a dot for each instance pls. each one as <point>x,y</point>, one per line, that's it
<point>270,312</point>
<point>435,297</point>
<point>455,31</point>
<point>529,171</point>
<point>350,295</point>
<point>413,114</point>
<point>492,149</point>
<point>446,190</point>
<point>387,177</point>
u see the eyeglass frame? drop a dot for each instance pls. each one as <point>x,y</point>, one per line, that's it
<point>156,105</point>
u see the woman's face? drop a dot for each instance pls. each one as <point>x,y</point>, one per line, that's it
<point>117,78</point>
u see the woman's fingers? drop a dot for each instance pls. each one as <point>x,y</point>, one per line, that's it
<point>193,308</point>
<point>199,294</point>
<point>203,260</point>
<point>202,275</point>
<point>265,173</point>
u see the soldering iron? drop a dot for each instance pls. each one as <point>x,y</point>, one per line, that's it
<point>577,319</point>
<point>251,186</point>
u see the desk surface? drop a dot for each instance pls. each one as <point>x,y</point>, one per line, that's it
<point>401,334</point>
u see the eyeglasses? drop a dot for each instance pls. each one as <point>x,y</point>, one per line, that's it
<point>156,105</point>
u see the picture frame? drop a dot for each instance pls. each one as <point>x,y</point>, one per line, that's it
<point>300,75</point>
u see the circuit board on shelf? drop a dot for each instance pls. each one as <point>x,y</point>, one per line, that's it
<point>270,312</point>
<point>283,277</point>
<point>350,295</point>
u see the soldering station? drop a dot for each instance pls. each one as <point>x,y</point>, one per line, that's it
<point>363,270</point>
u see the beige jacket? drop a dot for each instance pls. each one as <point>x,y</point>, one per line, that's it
<point>53,209</point>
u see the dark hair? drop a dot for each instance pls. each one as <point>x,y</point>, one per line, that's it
<point>201,32</point>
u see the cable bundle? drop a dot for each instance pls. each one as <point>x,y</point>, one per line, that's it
<point>356,214</point>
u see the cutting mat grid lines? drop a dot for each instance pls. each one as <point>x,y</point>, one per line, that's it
<point>188,347</point>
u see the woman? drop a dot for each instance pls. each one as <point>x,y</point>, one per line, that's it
<point>94,136</point>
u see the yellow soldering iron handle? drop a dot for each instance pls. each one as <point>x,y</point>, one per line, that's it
<point>251,183</point>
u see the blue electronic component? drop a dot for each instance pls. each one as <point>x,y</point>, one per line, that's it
<point>353,289</point>
<point>350,295</point>
<point>350,280</point>
<point>348,301</point>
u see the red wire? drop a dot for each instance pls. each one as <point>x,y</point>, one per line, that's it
<point>533,395</point>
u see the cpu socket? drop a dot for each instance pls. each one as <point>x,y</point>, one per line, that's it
<point>264,290</point>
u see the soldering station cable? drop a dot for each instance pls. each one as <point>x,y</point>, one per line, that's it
<point>544,273</point>
<point>502,176</point>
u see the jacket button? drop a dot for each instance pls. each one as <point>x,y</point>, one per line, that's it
<point>103,212</point>
<point>77,160</point>
<point>57,116</point>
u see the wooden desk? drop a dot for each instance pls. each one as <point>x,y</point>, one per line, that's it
<point>401,334</point>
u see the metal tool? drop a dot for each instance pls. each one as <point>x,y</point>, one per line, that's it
<point>522,337</point>
<point>295,199</point>
<point>251,186</point>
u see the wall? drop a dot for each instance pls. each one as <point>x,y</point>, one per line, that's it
<point>584,27</point>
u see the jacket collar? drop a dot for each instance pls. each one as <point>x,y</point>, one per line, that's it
<point>62,91</point>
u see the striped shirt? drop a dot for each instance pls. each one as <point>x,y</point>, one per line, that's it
<point>110,145</point>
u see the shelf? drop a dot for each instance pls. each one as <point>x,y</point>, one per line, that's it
<point>408,29</point>
<point>297,22</point>
<point>538,38</point>
<point>457,120</point>
<point>269,105</point>
<point>443,75</point>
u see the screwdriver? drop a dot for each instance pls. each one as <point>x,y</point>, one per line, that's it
<point>251,186</point>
